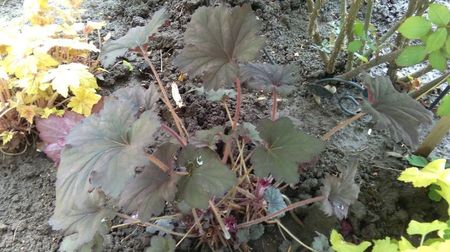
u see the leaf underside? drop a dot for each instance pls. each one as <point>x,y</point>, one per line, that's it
<point>207,176</point>
<point>274,199</point>
<point>53,131</point>
<point>340,192</point>
<point>397,112</point>
<point>216,41</point>
<point>149,190</point>
<point>135,37</point>
<point>285,149</point>
<point>267,77</point>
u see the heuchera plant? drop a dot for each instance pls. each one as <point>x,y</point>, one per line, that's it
<point>117,163</point>
<point>45,67</point>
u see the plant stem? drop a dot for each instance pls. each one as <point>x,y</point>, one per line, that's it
<point>275,214</point>
<point>416,74</point>
<point>174,134</point>
<point>312,27</point>
<point>374,62</point>
<point>293,236</point>
<point>226,234</point>
<point>341,125</point>
<point>435,137</point>
<point>158,163</point>
<point>274,105</point>
<point>348,24</point>
<point>367,18</point>
<point>124,216</point>
<point>178,123</point>
<point>424,89</point>
<point>238,103</point>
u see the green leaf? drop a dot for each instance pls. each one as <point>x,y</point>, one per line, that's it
<point>417,161</point>
<point>253,233</point>
<point>424,228</point>
<point>385,245</point>
<point>216,41</point>
<point>411,55</point>
<point>321,243</point>
<point>249,130</point>
<point>397,112</point>
<point>285,148</point>
<point>447,46</point>
<point>340,192</point>
<point>438,61</point>
<point>439,14</point>
<point>208,138</point>
<point>216,95</point>
<point>358,29</point>
<point>415,27</point>
<point>340,245</point>
<point>256,231</point>
<point>426,176</point>
<point>354,46</point>
<point>243,235</point>
<point>433,193</point>
<point>274,199</point>
<point>135,37</point>
<point>161,244</point>
<point>436,40</point>
<point>207,176</point>
<point>444,108</point>
<point>147,193</point>
<point>267,77</point>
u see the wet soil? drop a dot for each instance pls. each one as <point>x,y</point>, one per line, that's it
<point>384,208</point>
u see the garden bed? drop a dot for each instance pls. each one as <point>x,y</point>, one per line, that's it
<point>384,207</point>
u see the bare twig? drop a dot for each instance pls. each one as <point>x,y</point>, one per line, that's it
<point>279,212</point>
<point>349,21</point>
<point>294,237</point>
<point>178,123</point>
<point>424,89</point>
<point>374,62</point>
<point>341,125</point>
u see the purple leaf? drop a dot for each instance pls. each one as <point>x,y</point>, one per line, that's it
<point>267,77</point>
<point>340,192</point>
<point>397,112</point>
<point>216,41</point>
<point>53,131</point>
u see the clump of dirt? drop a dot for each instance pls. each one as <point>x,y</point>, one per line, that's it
<point>385,205</point>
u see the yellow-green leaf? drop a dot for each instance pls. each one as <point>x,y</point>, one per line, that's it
<point>340,245</point>
<point>6,136</point>
<point>72,76</point>
<point>426,176</point>
<point>405,245</point>
<point>385,245</point>
<point>424,228</point>
<point>444,108</point>
<point>84,100</point>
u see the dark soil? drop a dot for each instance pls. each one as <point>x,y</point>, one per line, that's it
<point>384,208</point>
